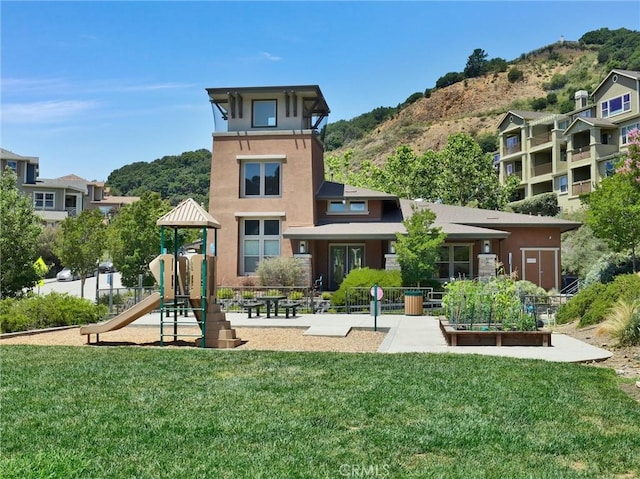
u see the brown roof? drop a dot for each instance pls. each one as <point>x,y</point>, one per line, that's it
<point>188,214</point>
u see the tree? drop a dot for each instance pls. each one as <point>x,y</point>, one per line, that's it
<point>476,64</point>
<point>418,249</point>
<point>80,243</point>
<point>581,249</point>
<point>134,238</point>
<point>19,232</point>
<point>467,176</point>
<point>614,207</point>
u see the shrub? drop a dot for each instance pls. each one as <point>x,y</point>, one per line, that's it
<point>539,104</point>
<point>608,267</point>
<point>52,310</point>
<point>515,75</point>
<point>625,287</point>
<point>575,308</point>
<point>365,278</point>
<point>248,295</point>
<point>545,204</point>
<point>280,271</point>
<point>527,288</point>
<point>225,293</point>
<point>556,83</point>
<point>622,323</point>
<point>296,295</point>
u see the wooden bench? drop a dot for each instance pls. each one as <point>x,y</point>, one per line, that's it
<point>249,306</point>
<point>289,306</point>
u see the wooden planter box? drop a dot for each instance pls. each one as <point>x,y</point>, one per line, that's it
<point>456,337</point>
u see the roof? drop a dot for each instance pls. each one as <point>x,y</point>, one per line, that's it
<point>188,214</point>
<point>10,155</point>
<point>461,215</point>
<point>628,73</point>
<point>599,122</point>
<point>524,114</point>
<point>57,183</point>
<point>220,95</point>
<point>457,222</point>
<point>329,191</point>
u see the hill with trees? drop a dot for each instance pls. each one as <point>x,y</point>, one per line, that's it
<point>469,102</point>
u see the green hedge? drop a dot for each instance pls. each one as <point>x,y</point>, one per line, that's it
<point>52,310</point>
<point>545,204</point>
<point>365,278</point>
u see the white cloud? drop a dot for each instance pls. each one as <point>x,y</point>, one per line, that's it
<point>270,57</point>
<point>45,111</point>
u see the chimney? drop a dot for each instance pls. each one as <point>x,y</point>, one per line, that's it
<point>581,97</point>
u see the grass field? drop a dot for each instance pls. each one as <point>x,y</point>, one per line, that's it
<point>87,412</point>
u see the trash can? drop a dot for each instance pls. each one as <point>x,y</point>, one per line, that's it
<point>413,303</point>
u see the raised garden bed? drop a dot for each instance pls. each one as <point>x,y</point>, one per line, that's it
<point>465,337</point>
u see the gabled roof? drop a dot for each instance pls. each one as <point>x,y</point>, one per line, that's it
<point>599,122</point>
<point>524,114</point>
<point>59,184</point>
<point>188,214</point>
<point>336,191</point>
<point>10,155</point>
<point>634,75</point>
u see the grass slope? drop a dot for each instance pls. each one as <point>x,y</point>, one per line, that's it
<point>149,413</point>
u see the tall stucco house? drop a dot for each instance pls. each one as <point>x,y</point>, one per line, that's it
<point>269,193</point>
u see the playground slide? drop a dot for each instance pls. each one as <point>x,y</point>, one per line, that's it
<point>126,317</point>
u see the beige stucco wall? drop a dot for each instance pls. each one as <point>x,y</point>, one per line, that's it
<point>226,205</point>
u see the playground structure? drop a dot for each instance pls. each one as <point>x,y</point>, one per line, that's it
<point>187,284</point>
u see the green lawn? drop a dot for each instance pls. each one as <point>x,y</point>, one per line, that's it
<point>94,412</point>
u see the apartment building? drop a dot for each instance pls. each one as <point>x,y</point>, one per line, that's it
<point>569,154</point>
<point>55,199</point>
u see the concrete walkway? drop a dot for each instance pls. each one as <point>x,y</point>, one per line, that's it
<point>412,334</point>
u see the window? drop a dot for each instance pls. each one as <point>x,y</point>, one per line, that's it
<point>455,262</point>
<point>260,239</point>
<point>44,200</point>
<point>261,179</point>
<point>264,113</point>
<point>350,206</point>
<point>13,165</point>
<point>616,105</point>
<point>626,130</point>
<point>563,184</point>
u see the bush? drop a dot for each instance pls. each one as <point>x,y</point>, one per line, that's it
<point>590,306</point>
<point>575,308</point>
<point>515,75</point>
<point>52,310</point>
<point>622,323</point>
<point>556,83</point>
<point>545,204</point>
<point>280,271</point>
<point>225,293</point>
<point>365,278</point>
<point>625,287</point>
<point>527,288</point>
<point>539,104</point>
<point>608,267</point>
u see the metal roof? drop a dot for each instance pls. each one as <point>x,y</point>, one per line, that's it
<point>188,214</point>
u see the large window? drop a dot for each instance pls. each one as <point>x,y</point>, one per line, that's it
<point>261,179</point>
<point>563,184</point>
<point>44,200</point>
<point>626,130</point>
<point>616,105</point>
<point>264,113</point>
<point>455,262</point>
<point>260,239</point>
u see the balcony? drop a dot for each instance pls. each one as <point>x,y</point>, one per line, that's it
<point>542,169</point>
<point>538,140</point>
<point>580,153</point>
<point>604,150</point>
<point>510,150</point>
<point>580,187</point>
<point>71,212</point>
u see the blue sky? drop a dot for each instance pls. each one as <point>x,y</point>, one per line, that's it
<point>91,86</point>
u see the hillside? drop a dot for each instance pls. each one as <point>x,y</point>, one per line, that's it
<point>475,105</point>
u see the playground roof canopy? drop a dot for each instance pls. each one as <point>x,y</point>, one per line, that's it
<point>188,214</point>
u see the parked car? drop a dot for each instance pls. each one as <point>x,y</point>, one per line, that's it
<point>67,275</point>
<point>106,267</point>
